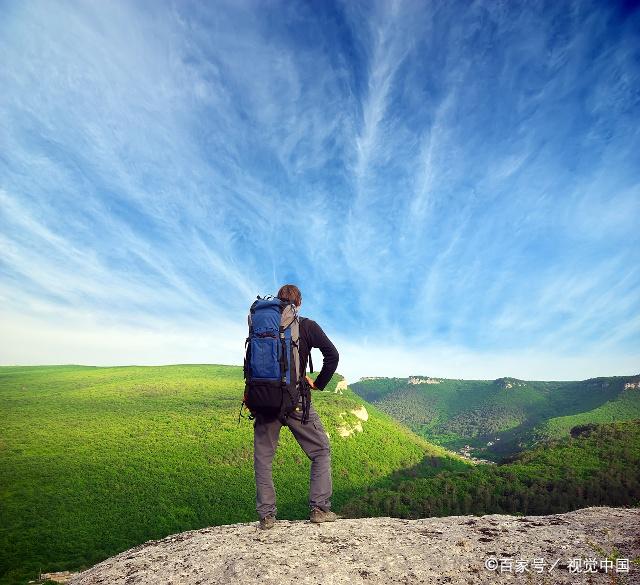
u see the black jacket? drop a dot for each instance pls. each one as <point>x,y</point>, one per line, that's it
<point>312,335</point>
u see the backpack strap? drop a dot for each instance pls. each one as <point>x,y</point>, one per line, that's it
<point>290,319</point>
<point>303,385</point>
<point>305,392</point>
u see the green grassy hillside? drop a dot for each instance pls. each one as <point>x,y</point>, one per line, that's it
<point>598,466</point>
<point>625,405</point>
<point>508,413</point>
<point>96,460</point>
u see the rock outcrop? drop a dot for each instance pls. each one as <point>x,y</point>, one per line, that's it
<point>506,383</point>
<point>346,429</point>
<point>423,380</point>
<point>341,386</point>
<point>451,550</point>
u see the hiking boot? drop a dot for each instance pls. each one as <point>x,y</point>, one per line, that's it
<point>267,522</point>
<point>318,515</point>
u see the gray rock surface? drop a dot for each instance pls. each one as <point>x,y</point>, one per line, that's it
<point>387,550</point>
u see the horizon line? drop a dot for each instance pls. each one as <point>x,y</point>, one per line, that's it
<point>637,375</point>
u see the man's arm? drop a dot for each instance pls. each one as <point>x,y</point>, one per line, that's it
<point>330,356</point>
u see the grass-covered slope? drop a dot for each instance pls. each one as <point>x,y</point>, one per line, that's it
<point>599,465</point>
<point>96,460</point>
<point>624,405</point>
<point>507,412</point>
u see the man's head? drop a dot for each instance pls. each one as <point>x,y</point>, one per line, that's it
<point>290,293</point>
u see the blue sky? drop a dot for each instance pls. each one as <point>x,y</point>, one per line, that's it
<point>455,186</point>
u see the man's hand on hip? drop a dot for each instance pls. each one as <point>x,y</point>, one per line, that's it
<point>311,382</point>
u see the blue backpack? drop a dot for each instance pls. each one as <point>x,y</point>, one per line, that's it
<point>274,381</point>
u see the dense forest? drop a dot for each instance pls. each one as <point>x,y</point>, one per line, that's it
<point>595,465</point>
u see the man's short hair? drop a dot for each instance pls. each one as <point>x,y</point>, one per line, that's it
<point>290,293</point>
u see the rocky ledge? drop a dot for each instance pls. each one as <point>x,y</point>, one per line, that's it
<point>571,548</point>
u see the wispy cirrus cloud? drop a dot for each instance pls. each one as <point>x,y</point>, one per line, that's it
<point>440,179</point>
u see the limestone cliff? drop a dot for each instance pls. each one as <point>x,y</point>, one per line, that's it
<point>453,550</point>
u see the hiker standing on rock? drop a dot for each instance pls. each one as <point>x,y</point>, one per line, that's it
<point>278,393</point>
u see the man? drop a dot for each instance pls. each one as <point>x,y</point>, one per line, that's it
<point>311,436</point>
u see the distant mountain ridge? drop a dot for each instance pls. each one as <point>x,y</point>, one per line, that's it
<point>496,418</point>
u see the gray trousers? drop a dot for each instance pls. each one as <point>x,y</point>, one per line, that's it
<point>314,442</point>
